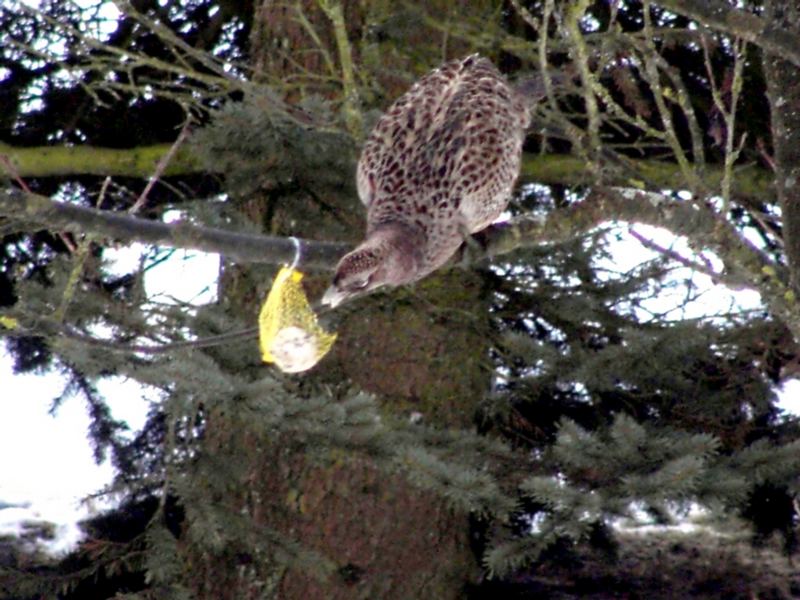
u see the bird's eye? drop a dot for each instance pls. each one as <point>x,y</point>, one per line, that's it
<point>360,284</point>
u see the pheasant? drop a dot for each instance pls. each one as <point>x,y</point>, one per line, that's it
<point>439,165</point>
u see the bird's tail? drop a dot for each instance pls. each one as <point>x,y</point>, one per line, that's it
<point>532,87</point>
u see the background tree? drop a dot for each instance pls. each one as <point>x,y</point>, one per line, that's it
<point>480,431</point>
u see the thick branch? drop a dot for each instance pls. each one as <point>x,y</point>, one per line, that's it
<point>50,161</point>
<point>562,169</point>
<point>744,264</point>
<point>240,247</point>
<point>716,14</point>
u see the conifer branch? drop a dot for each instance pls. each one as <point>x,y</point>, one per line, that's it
<point>745,265</point>
<point>25,325</point>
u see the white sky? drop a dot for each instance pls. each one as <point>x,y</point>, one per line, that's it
<point>47,461</point>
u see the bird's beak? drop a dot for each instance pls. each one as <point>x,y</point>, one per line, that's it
<point>333,297</point>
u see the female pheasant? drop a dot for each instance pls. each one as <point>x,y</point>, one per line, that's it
<point>439,165</point>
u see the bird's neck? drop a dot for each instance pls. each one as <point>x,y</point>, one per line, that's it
<point>402,248</point>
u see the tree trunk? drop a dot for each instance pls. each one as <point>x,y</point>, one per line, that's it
<point>783,89</point>
<point>419,351</point>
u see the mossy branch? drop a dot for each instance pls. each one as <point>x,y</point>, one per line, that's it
<point>563,169</point>
<point>57,161</point>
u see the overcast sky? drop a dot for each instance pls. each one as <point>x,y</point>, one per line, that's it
<point>47,462</point>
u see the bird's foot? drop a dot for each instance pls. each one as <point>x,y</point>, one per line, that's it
<point>471,251</point>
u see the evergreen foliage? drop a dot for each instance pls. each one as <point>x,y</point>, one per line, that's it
<point>597,398</point>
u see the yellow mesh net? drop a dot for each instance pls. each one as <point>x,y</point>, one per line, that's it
<point>289,333</point>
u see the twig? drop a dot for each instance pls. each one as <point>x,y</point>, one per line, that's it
<point>728,114</point>
<point>573,30</point>
<point>695,266</point>
<point>720,15</point>
<point>12,170</point>
<point>160,168</point>
<point>300,17</point>
<point>53,328</point>
<point>352,113</point>
<point>207,342</point>
<point>652,75</point>
<point>81,254</point>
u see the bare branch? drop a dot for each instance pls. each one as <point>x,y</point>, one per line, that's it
<point>673,255</point>
<point>352,112</point>
<point>240,247</point>
<point>719,15</point>
<point>160,168</point>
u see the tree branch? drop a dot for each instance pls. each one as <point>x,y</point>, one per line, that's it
<point>51,161</point>
<point>767,34</point>
<point>562,169</point>
<point>745,266</point>
<point>240,247</point>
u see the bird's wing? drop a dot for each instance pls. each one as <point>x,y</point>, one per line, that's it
<point>474,144</point>
<point>398,136</point>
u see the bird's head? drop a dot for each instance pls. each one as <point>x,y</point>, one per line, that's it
<point>390,256</point>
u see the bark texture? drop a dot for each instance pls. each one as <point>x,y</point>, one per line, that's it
<point>783,88</point>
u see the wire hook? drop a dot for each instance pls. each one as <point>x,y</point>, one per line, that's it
<point>298,252</point>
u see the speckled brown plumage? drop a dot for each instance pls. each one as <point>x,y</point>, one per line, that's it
<point>440,164</point>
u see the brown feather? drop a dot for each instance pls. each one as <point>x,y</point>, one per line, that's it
<point>439,164</point>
